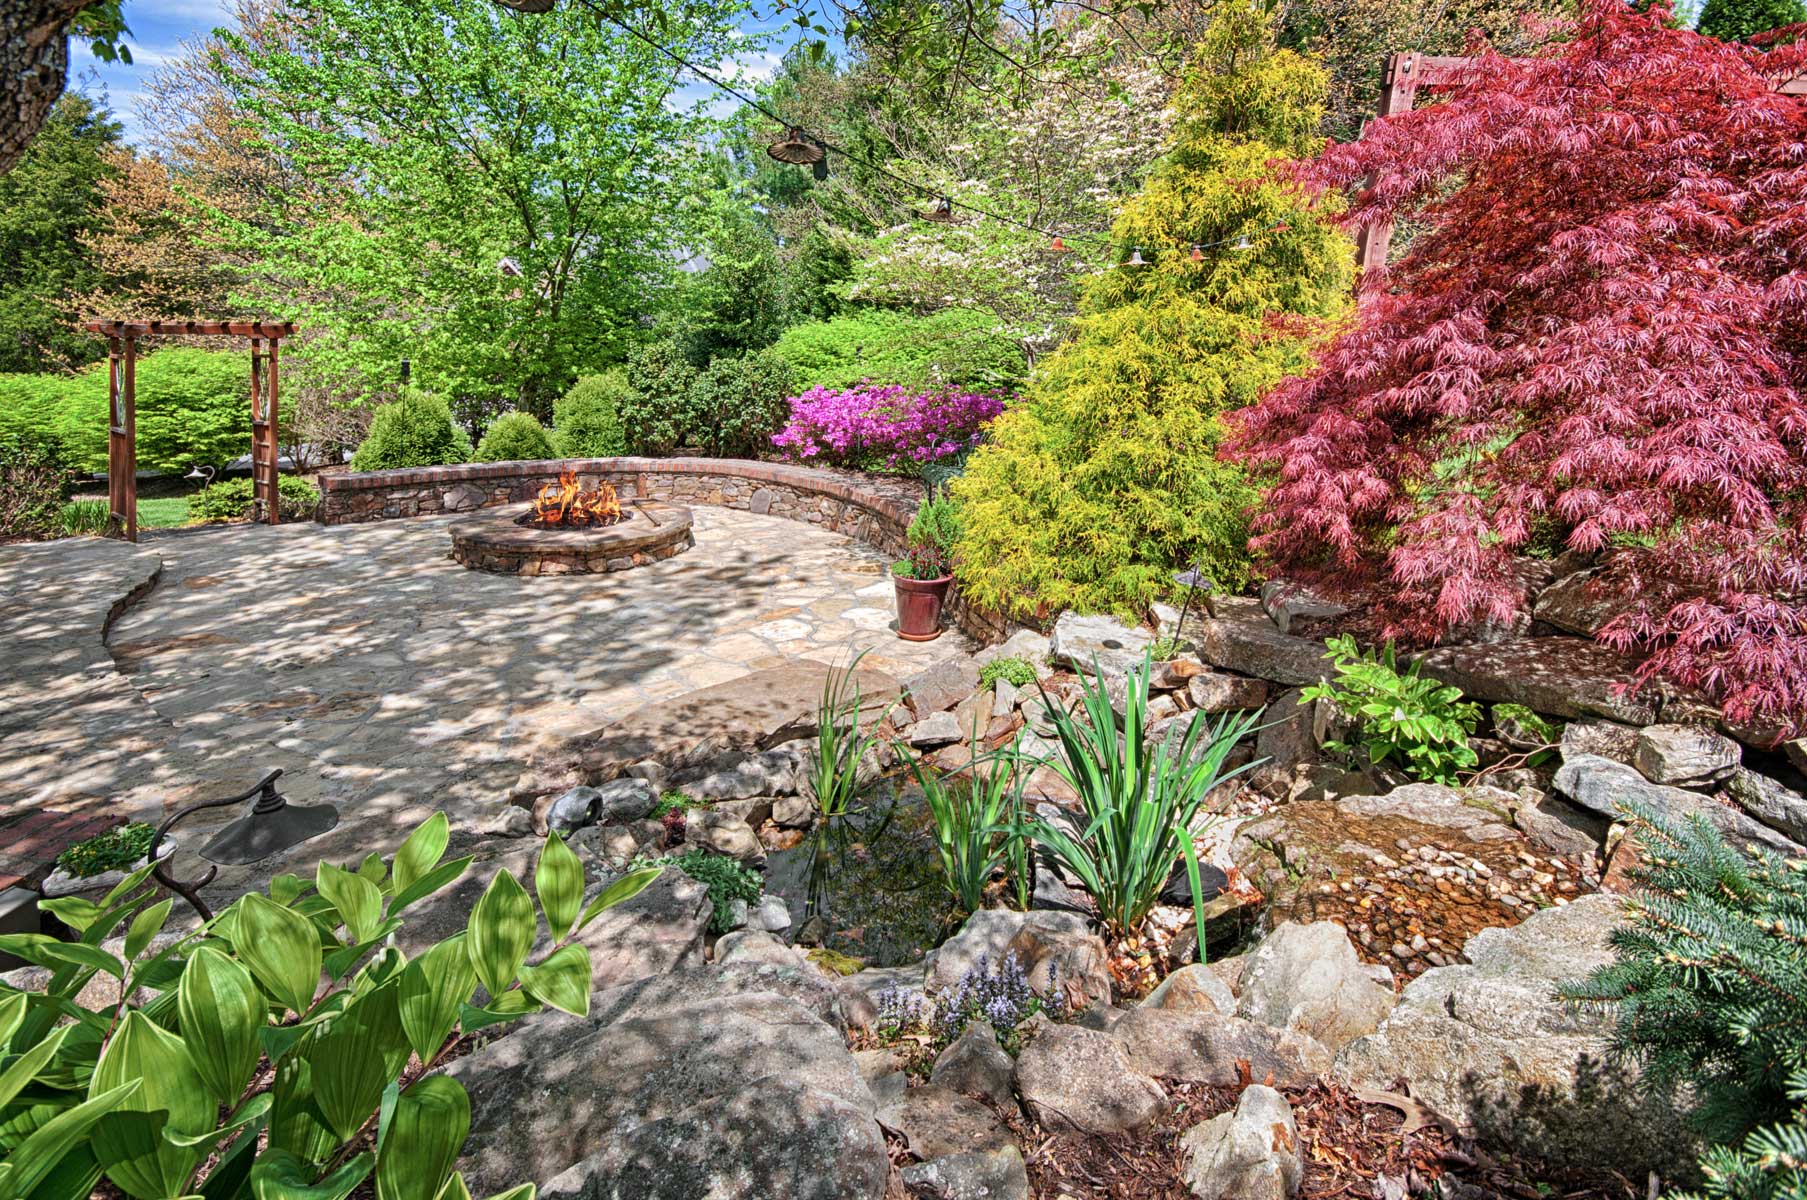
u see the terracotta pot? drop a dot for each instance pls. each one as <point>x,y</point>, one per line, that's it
<point>919,607</point>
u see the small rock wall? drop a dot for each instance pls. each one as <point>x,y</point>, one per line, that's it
<point>875,511</point>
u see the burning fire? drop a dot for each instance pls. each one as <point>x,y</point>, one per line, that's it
<point>566,505</point>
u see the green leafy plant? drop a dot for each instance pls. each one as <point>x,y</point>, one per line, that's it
<point>1141,803</point>
<point>415,430</point>
<point>85,518</point>
<point>231,500</point>
<point>737,404</point>
<point>671,800</point>
<point>586,422</point>
<point>841,745</point>
<point>1011,668</point>
<point>115,850</point>
<point>514,437</point>
<point>226,1070</point>
<point>930,539</point>
<point>32,477</point>
<point>727,880</point>
<point>952,348</point>
<point>656,414</point>
<point>978,815</point>
<point>1419,724</point>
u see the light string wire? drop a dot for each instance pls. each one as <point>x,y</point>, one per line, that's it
<point>1193,248</point>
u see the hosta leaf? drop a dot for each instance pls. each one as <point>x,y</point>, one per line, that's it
<point>160,1061</point>
<point>221,1011</point>
<point>559,880</point>
<point>623,889</point>
<point>285,888</point>
<point>351,1060</point>
<point>429,883</point>
<point>282,949</point>
<point>421,852</point>
<point>501,932</point>
<point>279,1175</point>
<point>228,1179</point>
<point>562,981</point>
<point>425,1134</point>
<point>47,951</point>
<point>129,1146</point>
<point>255,1109</point>
<point>433,989</point>
<point>525,1191</point>
<point>12,1015</point>
<point>359,902</point>
<point>72,911</point>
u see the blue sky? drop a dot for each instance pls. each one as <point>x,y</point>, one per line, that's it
<point>160,27</point>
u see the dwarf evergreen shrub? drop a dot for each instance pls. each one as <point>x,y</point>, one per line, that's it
<point>416,430</point>
<point>586,421</point>
<point>231,499</point>
<point>656,412</point>
<point>514,437</point>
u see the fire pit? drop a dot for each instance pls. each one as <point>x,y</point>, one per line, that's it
<point>570,531</point>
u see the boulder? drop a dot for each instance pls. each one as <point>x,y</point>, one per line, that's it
<point>1559,676</point>
<point>1072,969</point>
<point>753,946</point>
<point>936,1122</point>
<point>1216,692</point>
<point>1249,1153</point>
<point>1241,638</point>
<point>660,930</point>
<point>1605,787</point>
<point>623,800</point>
<point>723,832</point>
<point>1193,988</point>
<point>935,729</point>
<point>1307,977</point>
<point>1082,642</point>
<point>941,685</point>
<point>1488,1045</point>
<point>771,914</point>
<point>569,811</point>
<point>1004,696</point>
<point>1555,825</point>
<point>1286,737</point>
<point>1024,643</point>
<point>979,1175</point>
<point>1685,755</point>
<point>507,820</point>
<point>1048,945</point>
<point>554,1093</point>
<point>1196,1045</point>
<point>1480,813</point>
<point>1285,602</point>
<point>975,1065</point>
<point>1607,739</point>
<point>1770,801</point>
<point>775,1137</point>
<point>794,812</point>
<point>1081,1080</point>
<point>1581,603</point>
<point>742,776</point>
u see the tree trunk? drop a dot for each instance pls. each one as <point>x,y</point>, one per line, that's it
<point>34,65</point>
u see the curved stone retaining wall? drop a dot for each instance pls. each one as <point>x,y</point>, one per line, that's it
<point>876,511</point>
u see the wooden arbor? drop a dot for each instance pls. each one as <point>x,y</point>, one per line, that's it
<point>122,403</point>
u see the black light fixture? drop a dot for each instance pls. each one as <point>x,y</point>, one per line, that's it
<point>942,213</point>
<point>796,149</point>
<point>272,826</point>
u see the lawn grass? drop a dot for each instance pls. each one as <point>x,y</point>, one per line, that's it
<point>162,512</point>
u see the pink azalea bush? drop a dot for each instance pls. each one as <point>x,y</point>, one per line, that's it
<point>876,425</point>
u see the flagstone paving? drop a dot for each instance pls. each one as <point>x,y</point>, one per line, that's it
<point>379,674</point>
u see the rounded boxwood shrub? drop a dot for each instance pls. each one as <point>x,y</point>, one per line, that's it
<point>514,437</point>
<point>737,404</point>
<point>586,421</point>
<point>656,410</point>
<point>416,430</point>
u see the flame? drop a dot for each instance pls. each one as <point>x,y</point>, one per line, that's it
<point>566,504</point>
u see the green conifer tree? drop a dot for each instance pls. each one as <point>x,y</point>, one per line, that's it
<point>1735,20</point>
<point>1105,477</point>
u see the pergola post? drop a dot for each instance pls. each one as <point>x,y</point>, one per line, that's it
<point>122,435</point>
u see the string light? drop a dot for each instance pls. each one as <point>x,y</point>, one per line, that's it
<point>1059,247</point>
<point>941,214</point>
<point>1198,253</point>
<point>1136,259</point>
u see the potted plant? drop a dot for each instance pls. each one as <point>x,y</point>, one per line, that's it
<point>925,572</point>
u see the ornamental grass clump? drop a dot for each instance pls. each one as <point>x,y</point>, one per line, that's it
<point>885,426</point>
<point>977,814</point>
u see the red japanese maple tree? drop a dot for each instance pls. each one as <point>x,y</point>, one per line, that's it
<point>1599,342</point>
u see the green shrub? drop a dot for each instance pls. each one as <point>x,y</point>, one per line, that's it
<point>1012,669</point>
<point>115,850</point>
<point>737,404</point>
<point>86,518</point>
<point>656,411</point>
<point>33,475</point>
<point>221,1054</point>
<point>930,540</point>
<point>955,348</point>
<point>1771,1162</point>
<point>31,409</point>
<point>231,500</point>
<point>415,430</point>
<point>1413,722</point>
<point>727,880</point>
<point>586,421</point>
<point>514,437</point>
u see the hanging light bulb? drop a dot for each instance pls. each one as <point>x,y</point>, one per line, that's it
<point>1136,259</point>
<point>1243,243</point>
<point>1198,253</point>
<point>1059,247</point>
<point>796,149</point>
<point>942,213</point>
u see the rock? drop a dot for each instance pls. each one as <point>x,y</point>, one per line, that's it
<point>1770,801</point>
<point>623,800</point>
<point>1580,603</point>
<point>1307,977</point>
<point>1045,943</point>
<point>936,729</point>
<point>1607,739</point>
<point>572,810</point>
<point>743,776</point>
<point>771,915</point>
<point>507,820</point>
<point>1024,643</point>
<point>1685,755</point>
<point>877,1063</point>
<point>1490,1046</point>
<point>1559,676</point>
<point>993,1175</point>
<point>1084,643</point>
<point>1285,602</point>
<point>556,1092</point>
<point>1193,988</point>
<point>660,930</point>
<point>722,832</point>
<point>1216,692</point>
<point>1004,695</point>
<point>1251,1153</point>
<point>1286,736</point>
<point>1174,674</point>
<point>975,1065</point>
<point>1206,1047</point>
<point>794,812</point>
<point>1241,638</point>
<point>1480,813</point>
<point>937,1122</point>
<point>774,1138</point>
<point>941,685</point>
<point>1559,827</point>
<point>1081,1080</point>
<point>1605,787</point>
<point>1071,970</point>
<point>753,946</point>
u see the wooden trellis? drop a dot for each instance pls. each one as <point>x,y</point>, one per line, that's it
<point>122,404</point>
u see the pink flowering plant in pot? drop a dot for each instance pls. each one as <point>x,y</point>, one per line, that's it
<point>884,426</point>
<point>923,576</point>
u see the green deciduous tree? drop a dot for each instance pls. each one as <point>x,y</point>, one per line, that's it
<point>1734,20</point>
<point>1105,477</point>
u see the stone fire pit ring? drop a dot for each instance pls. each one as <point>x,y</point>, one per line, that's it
<point>496,541</point>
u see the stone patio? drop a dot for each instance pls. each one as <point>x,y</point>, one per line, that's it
<point>378,673</point>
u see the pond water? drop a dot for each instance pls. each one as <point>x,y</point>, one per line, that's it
<point>872,876</point>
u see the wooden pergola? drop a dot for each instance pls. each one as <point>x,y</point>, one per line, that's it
<point>122,405</point>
